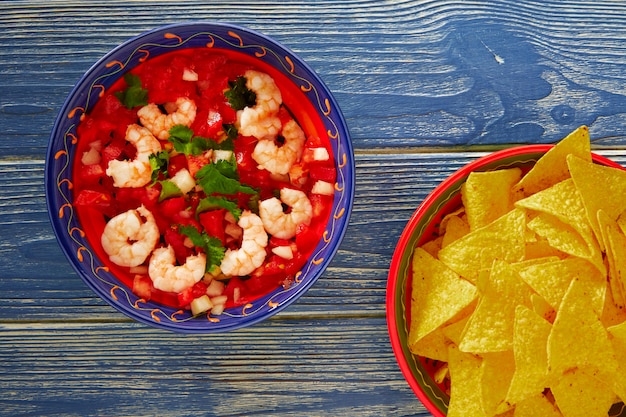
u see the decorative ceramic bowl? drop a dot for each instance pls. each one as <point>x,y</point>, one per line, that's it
<point>421,227</point>
<point>318,106</point>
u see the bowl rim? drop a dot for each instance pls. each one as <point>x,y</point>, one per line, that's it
<point>343,199</point>
<point>394,314</point>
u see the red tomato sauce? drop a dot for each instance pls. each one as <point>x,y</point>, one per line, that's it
<point>97,200</point>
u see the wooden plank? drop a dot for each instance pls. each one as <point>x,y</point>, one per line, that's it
<point>428,74</point>
<point>289,367</point>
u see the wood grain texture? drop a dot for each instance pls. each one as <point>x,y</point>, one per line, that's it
<point>426,86</point>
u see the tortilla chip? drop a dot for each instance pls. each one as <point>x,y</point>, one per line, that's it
<point>552,167</point>
<point>564,238</point>
<point>600,187</point>
<point>531,356</point>
<point>578,338</point>
<point>490,327</point>
<point>455,229</point>
<point>503,239</point>
<point>487,195</point>
<point>437,295</point>
<point>496,372</point>
<point>552,279</point>
<point>579,394</point>
<point>537,405</point>
<point>617,336</point>
<point>465,377</point>
<point>615,249</point>
<point>564,202</point>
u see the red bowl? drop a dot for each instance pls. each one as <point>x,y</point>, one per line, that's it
<point>445,198</point>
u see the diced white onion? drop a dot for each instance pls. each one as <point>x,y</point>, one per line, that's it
<point>190,75</point>
<point>320,154</point>
<point>201,304</point>
<point>184,181</point>
<point>284,252</point>
<point>323,187</point>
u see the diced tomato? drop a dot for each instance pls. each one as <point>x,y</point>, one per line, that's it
<point>299,174</point>
<point>275,242</point>
<point>91,174</point>
<point>236,292</point>
<point>94,199</point>
<point>195,163</point>
<point>323,172</point>
<point>187,296</point>
<point>143,287</point>
<point>131,198</point>
<point>306,238</point>
<point>176,163</point>
<point>172,206</point>
<point>92,129</point>
<point>244,146</point>
<point>113,150</point>
<point>322,204</point>
<point>177,241</point>
<point>212,222</point>
<point>258,285</point>
<point>208,123</point>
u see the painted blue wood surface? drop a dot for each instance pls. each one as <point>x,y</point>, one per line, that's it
<point>426,86</point>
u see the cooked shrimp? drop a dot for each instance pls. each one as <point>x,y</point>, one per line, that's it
<point>261,120</point>
<point>279,159</point>
<point>284,225</point>
<point>167,276</point>
<point>242,261</point>
<point>130,237</point>
<point>135,173</point>
<point>184,113</point>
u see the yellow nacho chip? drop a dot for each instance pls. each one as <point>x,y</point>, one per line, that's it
<point>617,336</point>
<point>615,249</point>
<point>578,338</point>
<point>504,239</point>
<point>490,327</point>
<point>488,195</point>
<point>437,295</point>
<point>600,187</point>
<point>552,167</point>
<point>465,378</point>
<point>564,202</point>
<point>456,228</point>
<point>552,279</point>
<point>537,405</point>
<point>579,394</point>
<point>531,356</point>
<point>561,236</point>
<point>496,371</point>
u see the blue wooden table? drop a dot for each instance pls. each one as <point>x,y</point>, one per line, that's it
<point>426,86</point>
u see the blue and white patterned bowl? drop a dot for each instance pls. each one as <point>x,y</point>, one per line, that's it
<point>61,152</point>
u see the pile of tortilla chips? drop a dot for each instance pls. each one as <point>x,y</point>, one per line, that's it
<point>522,296</point>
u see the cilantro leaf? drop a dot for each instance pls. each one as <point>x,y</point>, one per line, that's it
<point>214,202</point>
<point>221,178</point>
<point>184,141</point>
<point>169,189</point>
<point>134,95</point>
<point>158,164</point>
<point>239,96</point>
<point>211,246</point>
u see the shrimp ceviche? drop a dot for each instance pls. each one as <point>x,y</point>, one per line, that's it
<point>197,184</point>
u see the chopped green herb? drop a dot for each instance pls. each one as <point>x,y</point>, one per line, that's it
<point>232,133</point>
<point>221,178</point>
<point>214,202</point>
<point>158,163</point>
<point>169,189</point>
<point>211,246</point>
<point>185,142</point>
<point>239,96</point>
<point>134,95</point>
